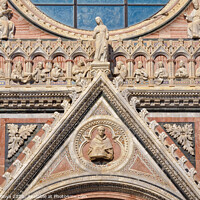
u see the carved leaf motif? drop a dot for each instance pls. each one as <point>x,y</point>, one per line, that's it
<point>183,135</point>
<point>17,137</point>
<point>26,131</point>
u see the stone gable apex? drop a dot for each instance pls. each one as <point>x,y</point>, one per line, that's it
<point>66,124</point>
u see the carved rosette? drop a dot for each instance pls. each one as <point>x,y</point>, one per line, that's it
<point>118,138</point>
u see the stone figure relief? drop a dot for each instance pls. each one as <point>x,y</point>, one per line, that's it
<point>101,149</point>
<point>160,73</point>
<point>182,71</point>
<point>121,72</point>
<point>56,72</point>
<point>194,21</point>
<point>6,26</point>
<point>40,73</point>
<point>2,74</point>
<point>80,73</point>
<point>101,37</point>
<point>18,74</point>
<point>140,73</point>
<point>198,72</point>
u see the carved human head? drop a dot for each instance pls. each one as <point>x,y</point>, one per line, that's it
<point>119,64</point>
<point>81,63</point>
<point>56,65</point>
<point>98,20</point>
<point>4,4</point>
<point>19,65</point>
<point>40,65</point>
<point>160,64</point>
<point>140,65</point>
<point>181,63</point>
<point>101,131</point>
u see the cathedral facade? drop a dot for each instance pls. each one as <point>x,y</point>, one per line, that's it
<point>100,100</point>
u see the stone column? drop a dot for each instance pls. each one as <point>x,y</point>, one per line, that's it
<point>130,68</point>
<point>8,71</point>
<point>150,71</point>
<point>28,66</point>
<point>191,63</point>
<point>49,65</point>
<point>171,67</point>
<point>69,64</point>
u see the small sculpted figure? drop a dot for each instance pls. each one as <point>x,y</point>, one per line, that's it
<point>101,37</point>
<point>182,71</point>
<point>121,72</point>
<point>56,72</point>
<point>101,148</point>
<point>80,72</point>
<point>40,73</point>
<point>198,72</point>
<point>194,21</point>
<point>6,26</point>
<point>140,73</point>
<point>19,75</point>
<point>160,73</point>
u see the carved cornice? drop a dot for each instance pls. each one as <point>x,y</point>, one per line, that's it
<point>168,13</point>
<point>101,88</point>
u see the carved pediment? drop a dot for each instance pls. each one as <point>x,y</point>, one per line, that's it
<point>126,129</point>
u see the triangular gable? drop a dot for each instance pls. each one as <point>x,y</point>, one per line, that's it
<point>65,125</point>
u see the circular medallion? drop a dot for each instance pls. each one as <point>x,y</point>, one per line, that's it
<point>101,145</point>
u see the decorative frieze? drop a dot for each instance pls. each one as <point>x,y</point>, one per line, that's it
<point>71,63</point>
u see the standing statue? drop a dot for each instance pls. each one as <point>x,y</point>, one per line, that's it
<point>140,73</point>
<point>121,72</point>
<point>101,37</point>
<point>101,148</point>
<point>182,71</point>
<point>194,21</point>
<point>160,73</point>
<point>6,26</point>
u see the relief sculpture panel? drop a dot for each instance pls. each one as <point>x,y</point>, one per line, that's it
<point>101,145</point>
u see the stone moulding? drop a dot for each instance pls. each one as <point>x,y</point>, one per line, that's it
<point>70,120</point>
<point>168,13</point>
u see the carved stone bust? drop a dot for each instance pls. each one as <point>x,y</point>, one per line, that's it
<point>101,148</point>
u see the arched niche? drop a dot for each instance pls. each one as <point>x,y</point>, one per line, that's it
<point>177,62</point>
